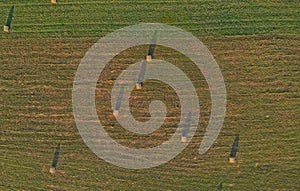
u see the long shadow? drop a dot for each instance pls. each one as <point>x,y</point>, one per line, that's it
<point>152,44</point>
<point>10,16</point>
<point>220,187</point>
<point>56,155</point>
<point>186,128</point>
<point>235,146</point>
<point>119,99</point>
<point>142,72</point>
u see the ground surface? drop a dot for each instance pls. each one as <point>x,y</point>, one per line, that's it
<point>256,45</point>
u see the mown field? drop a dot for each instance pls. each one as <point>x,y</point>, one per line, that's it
<point>256,44</point>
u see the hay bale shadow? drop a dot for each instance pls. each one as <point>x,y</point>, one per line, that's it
<point>220,187</point>
<point>119,99</point>
<point>56,155</point>
<point>187,125</point>
<point>10,17</point>
<point>142,73</point>
<point>152,44</point>
<point>235,146</point>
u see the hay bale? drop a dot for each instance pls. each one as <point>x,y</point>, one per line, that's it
<point>183,139</point>
<point>53,2</point>
<point>148,58</point>
<point>52,170</point>
<point>138,86</point>
<point>231,160</point>
<point>115,113</point>
<point>6,29</point>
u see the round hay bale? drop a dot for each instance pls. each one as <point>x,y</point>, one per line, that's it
<point>231,160</point>
<point>138,86</point>
<point>148,58</point>
<point>52,170</point>
<point>183,139</point>
<point>115,112</point>
<point>6,29</point>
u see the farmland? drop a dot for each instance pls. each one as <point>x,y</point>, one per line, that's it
<point>256,45</point>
